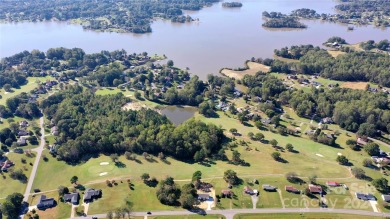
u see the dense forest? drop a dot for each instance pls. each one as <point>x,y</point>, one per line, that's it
<point>90,124</point>
<point>353,66</point>
<point>279,20</point>
<point>354,110</point>
<point>104,15</point>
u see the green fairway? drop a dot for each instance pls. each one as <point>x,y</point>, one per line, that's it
<point>302,215</point>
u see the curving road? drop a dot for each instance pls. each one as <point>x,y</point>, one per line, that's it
<point>36,162</point>
<point>229,214</point>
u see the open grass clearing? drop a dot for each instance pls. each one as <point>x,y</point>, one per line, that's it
<point>302,215</point>
<point>335,53</point>
<point>253,68</point>
<point>8,185</point>
<point>191,216</point>
<point>355,85</point>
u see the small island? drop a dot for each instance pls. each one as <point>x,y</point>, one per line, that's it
<point>279,20</point>
<point>232,4</point>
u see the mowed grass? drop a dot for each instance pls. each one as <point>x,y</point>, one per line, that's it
<point>303,215</point>
<point>31,84</point>
<point>8,185</point>
<point>142,197</point>
<point>60,211</point>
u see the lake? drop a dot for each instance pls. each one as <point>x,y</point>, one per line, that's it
<point>179,114</point>
<point>224,37</point>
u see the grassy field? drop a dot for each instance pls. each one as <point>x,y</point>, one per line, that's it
<point>302,215</point>
<point>11,184</point>
<point>62,210</point>
<point>253,69</point>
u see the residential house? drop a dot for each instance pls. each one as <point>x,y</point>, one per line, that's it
<point>92,194</point>
<point>23,133</point>
<point>54,130</point>
<point>72,198</point>
<point>386,198</point>
<point>362,141</point>
<point>203,197</point>
<point>248,190</point>
<point>291,189</point>
<point>45,202</point>
<point>315,189</point>
<point>22,141</point>
<point>327,120</point>
<point>227,193</point>
<point>23,124</point>
<point>365,197</point>
<point>5,165</point>
<point>269,188</point>
<point>332,184</point>
<point>266,121</point>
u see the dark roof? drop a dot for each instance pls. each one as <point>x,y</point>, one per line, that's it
<point>45,202</point>
<point>72,197</point>
<point>365,197</point>
<point>203,196</point>
<point>269,188</point>
<point>386,198</point>
<point>91,194</point>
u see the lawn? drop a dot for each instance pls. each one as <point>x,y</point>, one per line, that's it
<point>62,210</point>
<point>302,215</point>
<point>11,184</point>
<point>143,198</point>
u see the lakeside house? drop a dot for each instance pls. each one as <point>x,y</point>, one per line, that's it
<point>269,188</point>
<point>203,197</point>
<point>23,124</point>
<point>45,202</point>
<point>54,130</point>
<point>291,189</point>
<point>361,141</point>
<point>72,198</point>
<point>92,194</point>
<point>22,132</point>
<point>315,189</point>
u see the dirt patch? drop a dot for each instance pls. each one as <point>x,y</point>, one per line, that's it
<point>104,163</point>
<point>335,53</point>
<point>134,106</point>
<point>355,85</point>
<point>253,69</point>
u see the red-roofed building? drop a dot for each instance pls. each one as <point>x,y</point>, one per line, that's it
<point>332,184</point>
<point>291,189</point>
<point>315,189</point>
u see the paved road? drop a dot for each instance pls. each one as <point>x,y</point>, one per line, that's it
<point>229,214</point>
<point>37,160</point>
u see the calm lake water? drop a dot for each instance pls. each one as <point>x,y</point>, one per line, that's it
<point>179,114</point>
<point>222,38</point>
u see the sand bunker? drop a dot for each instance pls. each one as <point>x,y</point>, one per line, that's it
<point>339,154</point>
<point>104,163</point>
<point>102,174</point>
<point>320,155</point>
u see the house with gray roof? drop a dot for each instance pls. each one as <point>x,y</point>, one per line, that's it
<point>72,198</point>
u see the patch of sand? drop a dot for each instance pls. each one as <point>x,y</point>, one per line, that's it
<point>335,53</point>
<point>134,106</point>
<point>339,154</point>
<point>253,69</point>
<point>355,85</point>
<point>104,163</point>
<point>320,155</point>
<point>102,174</point>
<point>6,92</point>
